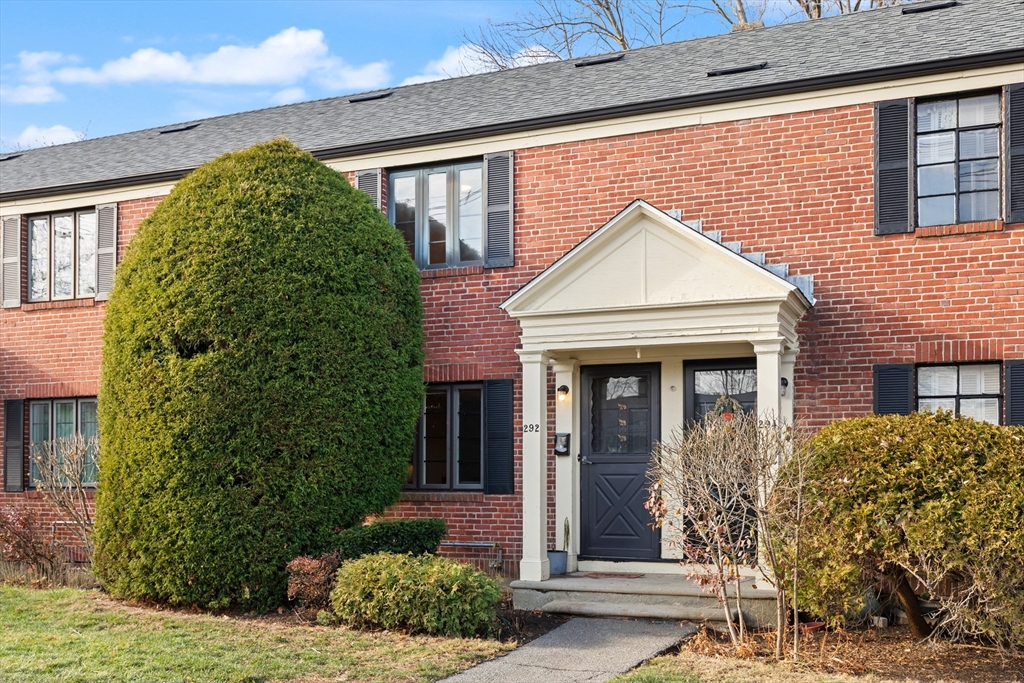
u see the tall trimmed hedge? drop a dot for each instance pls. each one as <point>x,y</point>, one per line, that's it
<point>939,496</point>
<point>261,380</point>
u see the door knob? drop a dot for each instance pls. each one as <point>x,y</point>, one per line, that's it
<point>584,460</point>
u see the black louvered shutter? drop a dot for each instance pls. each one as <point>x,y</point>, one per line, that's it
<point>1015,392</point>
<point>106,249</point>
<point>498,245</point>
<point>893,199</point>
<point>499,432</point>
<point>894,389</point>
<point>14,446</point>
<point>10,262</point>
<point>1015,153</point>
<point>369,182</point>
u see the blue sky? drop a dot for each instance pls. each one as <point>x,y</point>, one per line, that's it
<point>89,69</point>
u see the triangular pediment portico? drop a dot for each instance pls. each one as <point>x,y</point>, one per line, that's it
<point>644,277</point>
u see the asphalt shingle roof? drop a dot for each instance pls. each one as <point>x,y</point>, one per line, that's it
<point>876,44</point>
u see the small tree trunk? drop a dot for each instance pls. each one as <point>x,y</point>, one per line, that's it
<point>723,595</point>
<point>908,600</point>
<point>739,610</point>
<point>780,619</point>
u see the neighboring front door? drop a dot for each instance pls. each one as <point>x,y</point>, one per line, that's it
<point>621,421</point>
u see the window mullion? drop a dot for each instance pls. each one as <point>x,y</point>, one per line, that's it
<point>449,421</point>
<point>453,228</point>
<point>75,255</point>
<point>49,262</point>
<point>956,184</point>
<point>422,220</point>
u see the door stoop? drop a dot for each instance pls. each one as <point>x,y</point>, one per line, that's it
<point>649,596</point>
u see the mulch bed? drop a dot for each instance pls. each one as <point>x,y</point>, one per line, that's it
<point>523,626</point>
<point>890,654</point>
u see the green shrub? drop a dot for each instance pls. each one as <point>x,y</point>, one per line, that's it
<point>261,380</point>
<point>424,593</point>
<point>311,579</point>
<point>938,495</point>
<point>415,536</point>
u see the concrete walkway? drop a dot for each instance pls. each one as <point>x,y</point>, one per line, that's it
<point>581,650</point>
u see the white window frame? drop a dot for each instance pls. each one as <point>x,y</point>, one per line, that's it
<point>76,292</point>
<point>959,395</point>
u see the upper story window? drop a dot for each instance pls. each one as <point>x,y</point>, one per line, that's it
<point>439,211</point>
<point>957,145</point>
<point>949,162</point>
<point>62,256</point>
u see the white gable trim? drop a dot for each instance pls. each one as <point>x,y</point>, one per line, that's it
<point>613,235</point>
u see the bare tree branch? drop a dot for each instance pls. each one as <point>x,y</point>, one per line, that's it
<point>67,468</point>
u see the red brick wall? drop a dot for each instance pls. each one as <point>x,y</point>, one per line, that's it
<point>798,187</point>
<point>52,349</point>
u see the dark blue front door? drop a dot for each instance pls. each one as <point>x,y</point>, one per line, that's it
<point>621,420</point>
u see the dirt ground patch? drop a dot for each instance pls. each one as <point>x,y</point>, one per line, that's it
<point>889,655</point>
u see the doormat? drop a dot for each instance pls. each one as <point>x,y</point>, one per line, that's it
<point>612,575</point>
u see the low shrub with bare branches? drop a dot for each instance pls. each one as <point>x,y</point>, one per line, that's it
<point>66,469</point>
<point>722,487</point>
<point>27,551</point>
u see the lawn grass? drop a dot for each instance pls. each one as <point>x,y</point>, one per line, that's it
<point>83,635</point>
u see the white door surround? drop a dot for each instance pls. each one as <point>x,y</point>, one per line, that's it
<point>642,288</point>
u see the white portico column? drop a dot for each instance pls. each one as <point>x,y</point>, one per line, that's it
<point>788,365</point>
<point>566,486</point>
<point>769,376</point>
<point>534,565</point>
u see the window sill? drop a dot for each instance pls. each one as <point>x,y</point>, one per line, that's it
<point>441,496</point>
<point>451,272</point>
<point>63,303</point>
<point>959,229</point>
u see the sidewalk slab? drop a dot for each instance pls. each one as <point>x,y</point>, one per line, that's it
<point>581,650</point>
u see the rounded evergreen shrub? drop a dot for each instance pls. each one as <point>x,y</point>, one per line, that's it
<point>938,496</point>
<point>261,380</point>
<point>415,593</point>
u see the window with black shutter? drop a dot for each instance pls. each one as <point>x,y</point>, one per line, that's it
<point>457,214</point>
<point>464,438</point>
<point>1015,392</point>
<point>14,445</point>
<point>1015,153</point>
<point>949,160</point>
<point>892,161</point>
<point>973,390</point>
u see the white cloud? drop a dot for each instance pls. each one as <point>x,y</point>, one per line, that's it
<point>340,76</point>
<point>288,96</point>
<point>286,60</point>
<point>283,59</point>
<point>456,61</point>
<point>29,94</point>
<point>465,60</point>
<point>34,136</point>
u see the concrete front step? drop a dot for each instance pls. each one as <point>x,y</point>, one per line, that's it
<point>655,596</point>
<point>634,610</point>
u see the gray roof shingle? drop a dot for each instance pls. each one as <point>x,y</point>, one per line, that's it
<point>871,45</point>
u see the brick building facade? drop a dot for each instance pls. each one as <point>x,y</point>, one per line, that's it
<point>785,177</point>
